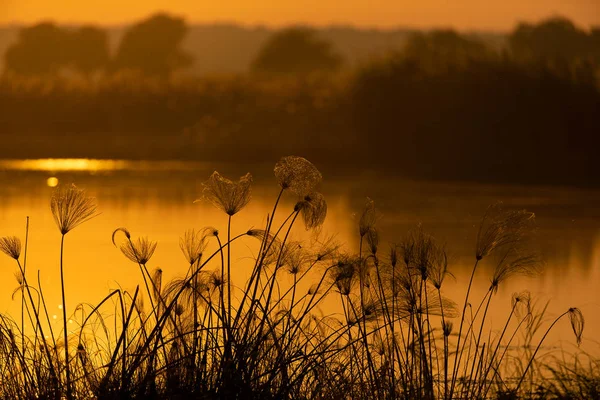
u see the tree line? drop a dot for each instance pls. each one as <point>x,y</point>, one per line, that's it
<point>154,47</point>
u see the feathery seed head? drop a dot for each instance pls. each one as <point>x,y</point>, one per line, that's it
<point>193,244</point>
<point>226,195</point>
<point>577,323</point>
<point>373,240</point>
<point>394,255</point>
<point>297,174</point>
<point>71,207</point>
<point>498,229</point>
<point>447,327</point>
<point>139,251</point>
<point>369,218</point>
<point>313,208</point>
<point>11,246</point>
<point>521,302</point>
<point>514,263</point>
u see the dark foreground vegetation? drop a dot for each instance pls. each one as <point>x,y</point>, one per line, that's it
<point>312,319</point>
<point>446,106</point>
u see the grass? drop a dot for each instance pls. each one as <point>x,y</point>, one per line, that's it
<point>205,336</point>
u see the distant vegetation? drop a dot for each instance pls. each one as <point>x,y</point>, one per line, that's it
<point>296,52</point>
<point>298,319</point>
<point>443,106</point>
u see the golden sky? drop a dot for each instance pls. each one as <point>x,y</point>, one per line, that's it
<point>459,14</point>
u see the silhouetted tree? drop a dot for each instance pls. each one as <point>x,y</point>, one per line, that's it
<point>440,50</point>
<point>556,42</point>
<point>40,50</point>
<point>88,49</point>
<point>152,46</point>
<point>45,49</point>
<point>296,51</point>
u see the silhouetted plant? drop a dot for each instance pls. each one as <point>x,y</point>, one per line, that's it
<point>394,337</point>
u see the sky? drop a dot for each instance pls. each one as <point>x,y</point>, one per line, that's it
<point>500,15</point>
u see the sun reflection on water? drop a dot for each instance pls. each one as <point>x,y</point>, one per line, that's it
<point>96,165</point>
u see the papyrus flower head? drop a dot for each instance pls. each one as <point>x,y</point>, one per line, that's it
<point>313,209</point>
<point>71,207</point>
<point>499,229</point>
<point>139,251</point>
<point>193,243</point>
<point>11,246</point>
<point>226,195</point>
<point>577,323</point>
<point>297,174</point>
<point>368,218</point>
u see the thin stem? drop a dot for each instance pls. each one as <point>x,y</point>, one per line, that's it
<point>64,312</point>
<point>462,320</point>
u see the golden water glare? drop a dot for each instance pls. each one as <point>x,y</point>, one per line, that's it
<point>96,165</point>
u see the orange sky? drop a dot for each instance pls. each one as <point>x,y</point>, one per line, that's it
<point>460,14</point>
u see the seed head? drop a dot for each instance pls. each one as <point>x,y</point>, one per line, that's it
<point>498,229</point>
<point>11,246</point>
<point>577,323</point>
<point>226,195</point>
<point>71,207</point>
<point>297,174</point>
<point>447,327</point>
<point>369,218</point>
<point>313,208</point>
<point>193,244</point>
<point>139,251</point>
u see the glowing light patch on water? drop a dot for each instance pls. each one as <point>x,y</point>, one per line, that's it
<point>95,165</point>
<point>63,164</point>
<point>52,181</point>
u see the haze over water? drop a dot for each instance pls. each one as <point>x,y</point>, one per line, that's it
<point>157,199</point>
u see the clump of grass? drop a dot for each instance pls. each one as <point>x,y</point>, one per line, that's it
<point>390,331</point>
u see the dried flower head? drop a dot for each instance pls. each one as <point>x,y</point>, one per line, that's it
<point>438,266</point>
<point>294,258</point>
<point>194,243</point>
<point>373,240</point>
<point>498,229</point>
<point>447,327</point>
<point>139,251</point>
<point>297,174</point>
<point>71,207</point>
<point>11,246</point>
<point>393,255</point>
<point>369,218</point>
<point>577,323</point>
<point>344,274</point>
<point>226,195</point>
<point>215,280</point>
<point>514,263</point>
<point>313,208</point>
<point>521,302</point>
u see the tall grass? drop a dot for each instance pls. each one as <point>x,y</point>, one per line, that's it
<point>279,334</point>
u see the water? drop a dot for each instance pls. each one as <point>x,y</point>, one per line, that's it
<point>156,199</point>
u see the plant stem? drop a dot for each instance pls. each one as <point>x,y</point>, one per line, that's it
<point>64,312</point>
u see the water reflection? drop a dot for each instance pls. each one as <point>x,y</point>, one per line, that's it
<point>96,165</point>
<point>158,201</point>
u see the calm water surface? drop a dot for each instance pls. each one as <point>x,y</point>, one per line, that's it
<point>157,200</point>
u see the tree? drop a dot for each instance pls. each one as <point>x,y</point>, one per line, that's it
<point>296,51</point>
<point>46,49</point>
<point>553,41</point>
<point>152,46</point>
<point>88,49</point>
<point>40,50</point>
<point>441,50</point>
